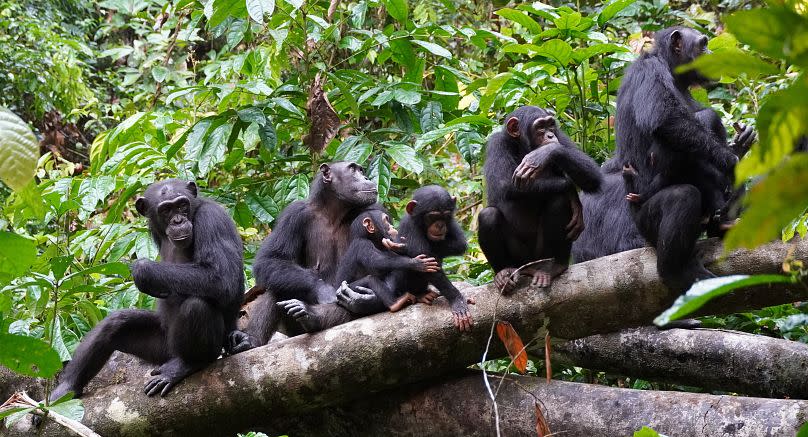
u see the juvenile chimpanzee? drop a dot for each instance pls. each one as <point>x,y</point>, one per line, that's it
<point>533,212</point>
<point>430,228</point>
<point>199,284</point>
<point>297,263</point>
<point>371,257</point>
<point>657,114</point>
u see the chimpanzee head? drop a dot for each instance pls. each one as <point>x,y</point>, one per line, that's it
<point>432,209</point>
<point>170,206</point>
<point>681,45</point>
<point>532,127</point>
<point>346,181</point>
<point>374,225</point>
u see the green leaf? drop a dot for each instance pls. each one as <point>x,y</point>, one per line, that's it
<point>704,291</point>
<point>470,144</point>
<point>567,21</point>
<point>730,63</point>
<point>647,432</point>
<point>251,114</point>
<point>212,152</point>
<point>222,9</point>
<point>17,255</point>
<point>28,356</point>
<point>10,411</point>
<point>263,208</point>
<point>431,116</point>
<point>434,48</point>
<point>612,9</point>
<point>406,97</point>
<point>72,409</point>
<point>404,156</point>
<point>434,135</point>
<point>472,119</point>
<point>159,73</point>
<point>772,204</point>
<point>582,54</point>
<point>557,50</point>
<point>19,151</point>
<point>521,18</point>
<point>382,174</point>
<point>113,268</point>
<point>352,150</point>
<point>766,30</point>
<point>258,8</point>
<point>803,432</point>
<point>269,137</point>
<point>397,9</point>
<point>296,4</point>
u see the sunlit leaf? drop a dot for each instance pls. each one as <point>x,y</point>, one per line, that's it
<point>397,9</point>
<point>223,9</point>
<point>431,116</point>
<point>263,208</point>
<point>404,156</point>
<point>557,50</point>
<point>257,9</point>
<point>704,291</point>
<point>17,255</point>
<point>19,151</point>
<point>28,356</point>
<point>521,18</point>
<point>513,344</point>
<point>612,9</point>
<point>730,63</point>
<point>72,409</point>
<point>434,48</point>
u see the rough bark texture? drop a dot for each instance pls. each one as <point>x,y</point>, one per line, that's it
<point>713,359</point>
<point>385,351</point>
<point>460,406</point>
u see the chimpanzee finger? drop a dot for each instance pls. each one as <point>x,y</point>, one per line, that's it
<point>156,371</point>
<point>167,388</point>
<point>471,301</point>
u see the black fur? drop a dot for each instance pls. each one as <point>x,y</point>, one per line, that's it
<point>199,285</point>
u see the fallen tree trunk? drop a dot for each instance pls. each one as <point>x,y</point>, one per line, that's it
<point>390,350</point>
<point>713,359</point>
<point>461,406</point>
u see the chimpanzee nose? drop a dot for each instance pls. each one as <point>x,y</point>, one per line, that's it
<point>176,220</point>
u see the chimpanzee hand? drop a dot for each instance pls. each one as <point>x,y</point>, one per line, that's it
<point>143,271</point>
<point>505,280</point>
<point>633,197</point>
<point>576,224</point>
<point>404,301</point>
<point>461,317</point>
<point>424,263</point>
<point>533,164</point>
<point>743,139</point>
<point>724,158</point>
<point>360,300</point>
<point>393,246</point>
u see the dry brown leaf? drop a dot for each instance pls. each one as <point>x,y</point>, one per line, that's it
<point>542,428</point>
<point>513,343</point>
<point>324,120</point>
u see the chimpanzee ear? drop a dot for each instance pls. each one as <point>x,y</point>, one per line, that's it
<point>512,127</point>
<point>142,206</point>
<point>325,169</point>
<point>676,42</point>
<point>192,188</point>
<point>411,206</point>
<point>368,224</point>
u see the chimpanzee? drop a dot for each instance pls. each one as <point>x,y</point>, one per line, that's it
<point>655,112</point>
<point>199,284</point>
<point>533,212</point>
<point>430,228</point>
<point>371,257</point>
<point>297,263</point>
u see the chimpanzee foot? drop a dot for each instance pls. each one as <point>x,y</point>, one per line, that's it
<point>428,298</point>
<point>505,280</point>
<point>404,301</point>
<point>237,342</point>
<point>541,279</point>
<point>298,310</point>
<point>168,375</point>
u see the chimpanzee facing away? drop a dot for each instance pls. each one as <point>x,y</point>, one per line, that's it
<point>371,257</point>
<point>297,263</point>
<point>199,285</point>
<point>533,212</point>
<point>657,114</point>
<point>429,228</point>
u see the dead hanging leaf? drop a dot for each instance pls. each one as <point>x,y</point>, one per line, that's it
<point>548,349</point>
<point>332,8</point>
<point>324,120</point>
<point>513,343</point>
<point>542,428</point>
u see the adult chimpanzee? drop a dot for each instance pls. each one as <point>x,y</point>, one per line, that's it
<point>371,257</point>
<point>297,263</point>
<point>533,212</point>
<point>199,285</point>
<point>430,228</point>
<point>655,112</point>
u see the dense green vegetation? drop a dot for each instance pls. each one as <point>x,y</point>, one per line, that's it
<point>121,93</point>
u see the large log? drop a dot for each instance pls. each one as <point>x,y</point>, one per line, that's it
<point>390,350</point>
<point>461,406</point>
<point>721,360</point>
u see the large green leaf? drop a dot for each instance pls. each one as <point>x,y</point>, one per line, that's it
<point>263,208</point>
<point>704,291</point>
<point>772,204</point>
<point>212,152</point>
<point>220,10</point>
<point>557,50</point>
<point>521,18</point>
<point>768,30</point>
<point>612,9</point>
<point>28,356</point>
<point>17,255</point>
<point>71,408</point>
<point>258,8</point>
<point>730,63</point>
<point>397,9</point>
<point>434,48</point>
<point>404,156</point>
<point>19,151</point>
<point>431,116</point>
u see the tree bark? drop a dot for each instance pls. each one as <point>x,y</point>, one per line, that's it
<point>460,406</point>
<point>712,359</point>
<point>391,350</point>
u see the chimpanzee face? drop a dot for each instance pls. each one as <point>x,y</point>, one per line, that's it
<point>377,226</point>
<point>543,132</point>
<point>437,224</point>
<point>348,182</point>
<point>685,45</point>
<point>533,130</point>
<point>168,206</point>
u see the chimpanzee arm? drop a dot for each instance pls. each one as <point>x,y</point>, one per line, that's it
<point>455,243</point>
<point>577,165</point>
<point>540,186</point>
<point>216,269</point>
<point>460,309</point>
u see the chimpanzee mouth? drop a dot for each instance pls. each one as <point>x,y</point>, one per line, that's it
<point>437,237</point>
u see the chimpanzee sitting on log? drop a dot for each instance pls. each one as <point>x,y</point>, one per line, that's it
<point>533,212</point>
<point>199,285</point>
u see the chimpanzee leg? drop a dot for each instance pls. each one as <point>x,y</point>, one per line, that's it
<point>493,232</point>
<point>195,338</point>
<point>555,217</point>
<point>263,323</point>
<point>382,290</point>
<point>136,332</point>
<point>671,221</point>
<point>314,317</point>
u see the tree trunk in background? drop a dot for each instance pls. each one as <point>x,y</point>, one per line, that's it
<point>712,359</point>
<point>386,351</point>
